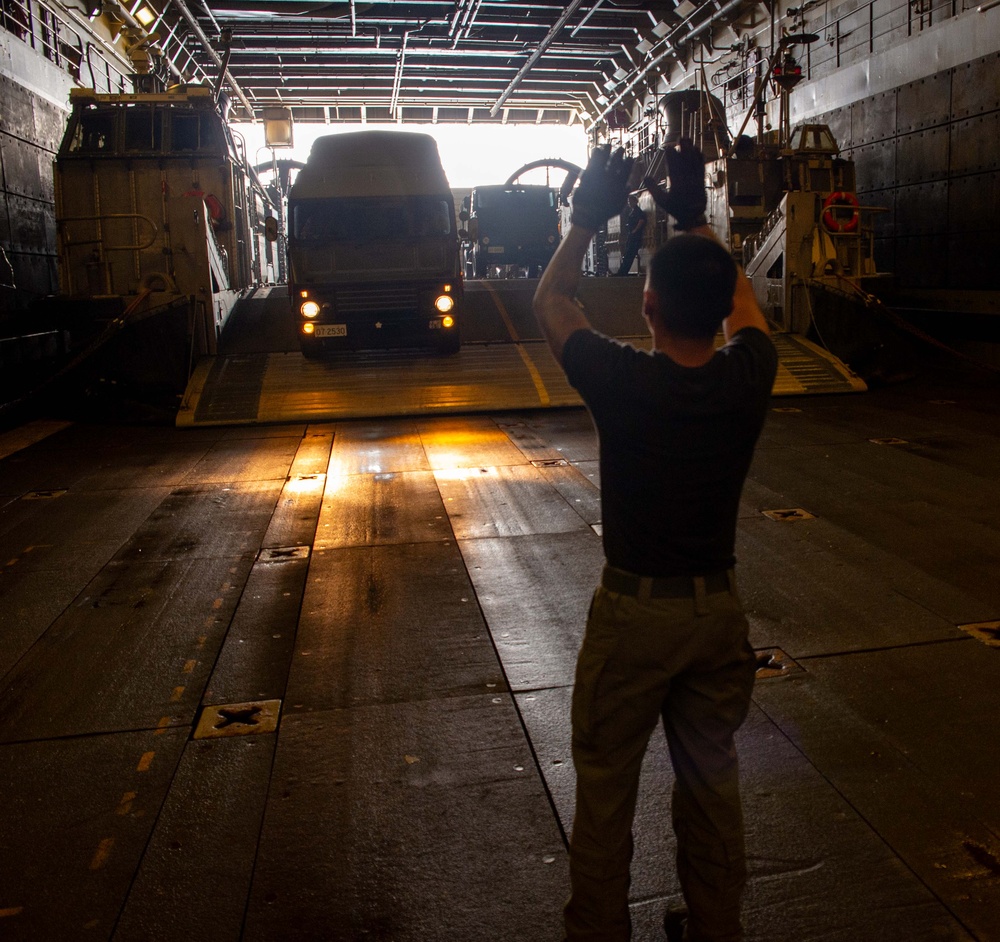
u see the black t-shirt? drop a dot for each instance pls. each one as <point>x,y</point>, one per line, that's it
<point>675,446</point>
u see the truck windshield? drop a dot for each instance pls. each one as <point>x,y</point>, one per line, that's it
<point>370,218</point>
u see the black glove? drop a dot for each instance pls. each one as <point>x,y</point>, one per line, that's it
<point>687,198</point>
<point>603,188</point>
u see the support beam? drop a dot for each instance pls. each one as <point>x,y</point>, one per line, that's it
<point>536,55</point>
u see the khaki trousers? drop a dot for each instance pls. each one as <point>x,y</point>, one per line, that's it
<point>687,663</point>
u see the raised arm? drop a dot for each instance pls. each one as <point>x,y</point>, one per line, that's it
<point>601,194</point>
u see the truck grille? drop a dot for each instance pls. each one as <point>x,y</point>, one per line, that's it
<point>376,299</point>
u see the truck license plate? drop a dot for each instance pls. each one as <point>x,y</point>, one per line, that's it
<point>331,330</point>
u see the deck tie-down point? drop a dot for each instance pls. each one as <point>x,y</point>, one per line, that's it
<point>238,719</point>
<point>791,513</point>
<point>279,554</point>
<point>986,631</point>
<point>773,662</point>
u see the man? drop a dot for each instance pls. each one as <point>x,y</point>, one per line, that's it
<point>635,229</point>
<point>666,637</point>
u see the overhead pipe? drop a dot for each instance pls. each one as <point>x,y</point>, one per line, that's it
<point>576,29</point>
<point>209,14</point>
<point>537,54</point>
<point>471,19</point>
<point>397,79</point>
<point>671,50</point>
<point>195,26</point>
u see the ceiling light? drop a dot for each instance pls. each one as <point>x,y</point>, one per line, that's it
<point>619,74</point>
<point>661,29</point>
<point>685,8</point>
<point>644,47</point>
<point>610,84</point>
<point>278,127</point>
<point>145,16</point>
<point>602,100</point>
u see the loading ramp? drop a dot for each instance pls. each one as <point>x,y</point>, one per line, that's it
<point>504,364</point>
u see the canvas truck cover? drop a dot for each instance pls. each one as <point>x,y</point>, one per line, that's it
<point>372,163</point>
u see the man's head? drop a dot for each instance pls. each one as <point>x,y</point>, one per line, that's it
<point>690,285</point>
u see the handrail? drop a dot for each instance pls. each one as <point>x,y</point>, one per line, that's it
<point>104,216</point>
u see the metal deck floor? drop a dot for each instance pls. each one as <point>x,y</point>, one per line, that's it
<point>504,365</point>
<point>311,681</point>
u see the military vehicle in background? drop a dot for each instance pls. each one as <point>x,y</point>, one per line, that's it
<point>513,228</point>
<point>160,224</point>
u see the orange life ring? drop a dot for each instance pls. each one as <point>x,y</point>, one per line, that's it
<point>832,202</point>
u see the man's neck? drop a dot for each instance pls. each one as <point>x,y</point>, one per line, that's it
<point>685,351</point>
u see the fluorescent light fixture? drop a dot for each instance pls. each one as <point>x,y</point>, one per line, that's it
<point>661,29</point>
<point>644,47</point>
<point>602,100</point>
<point>619,74</point>
<point>610,84</point>
<point>685,8</point>
<point>145,15</point>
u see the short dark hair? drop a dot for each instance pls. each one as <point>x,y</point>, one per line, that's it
<point>693,278</point>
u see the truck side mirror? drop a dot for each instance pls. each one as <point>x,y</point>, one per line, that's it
<point>271,229</point>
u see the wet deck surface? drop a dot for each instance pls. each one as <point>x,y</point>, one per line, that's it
<point>405,598</point>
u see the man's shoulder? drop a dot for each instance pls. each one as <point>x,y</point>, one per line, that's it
<point>589,357</point>
<point>751,345</point>
<point>754,340</point>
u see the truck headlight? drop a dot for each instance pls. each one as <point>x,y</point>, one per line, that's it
<point>444,303</point>
<point>309,309</point>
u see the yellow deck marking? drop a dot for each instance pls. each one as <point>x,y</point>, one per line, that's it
<point>145,762</point>
<point>217,604</point>
<point>102,853</point>
<point>125,805</point>
<point>543,393</point>
<point>29,434</point>
<point>161,726</point>
<point>208,623</point>
<point>189,666</point>
<point>11,911</point>
<point>177,694</point>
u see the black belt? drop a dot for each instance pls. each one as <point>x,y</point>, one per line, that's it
<point>663,587</point>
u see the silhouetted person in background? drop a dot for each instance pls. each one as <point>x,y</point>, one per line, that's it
<point>635,228</point>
